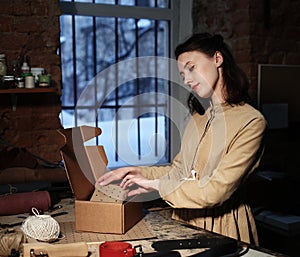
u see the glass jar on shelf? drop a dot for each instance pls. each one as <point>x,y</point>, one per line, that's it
<point>8,82</point>
<point>20,82</point>
<point>3,67</point>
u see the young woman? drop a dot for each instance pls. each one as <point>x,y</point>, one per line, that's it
<point>219,149</point>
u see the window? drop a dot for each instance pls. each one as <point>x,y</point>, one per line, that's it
<point>111,54</point>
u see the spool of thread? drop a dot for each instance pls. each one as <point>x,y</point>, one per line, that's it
<point>23,202</point>
<point>29,82</point>
<point>41,227</point>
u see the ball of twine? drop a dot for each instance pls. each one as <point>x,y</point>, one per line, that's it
<point>41,227</point>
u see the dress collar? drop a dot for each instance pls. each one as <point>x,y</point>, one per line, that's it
<point>220,107</point>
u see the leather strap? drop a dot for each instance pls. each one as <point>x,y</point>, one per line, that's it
<point>222,250</point>
<point>162,254</point>
<point>217,246</point>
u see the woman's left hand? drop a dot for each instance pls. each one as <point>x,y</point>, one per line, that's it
<point>144,185</point>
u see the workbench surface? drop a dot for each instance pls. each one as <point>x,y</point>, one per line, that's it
<point>158,225</point>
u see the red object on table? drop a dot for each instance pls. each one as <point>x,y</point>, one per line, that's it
<point>11,204</point>
<point>116,249</point>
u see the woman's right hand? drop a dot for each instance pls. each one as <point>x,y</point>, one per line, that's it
<point>117,174</point>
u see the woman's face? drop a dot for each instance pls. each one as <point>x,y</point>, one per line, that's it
<point>200,72</point>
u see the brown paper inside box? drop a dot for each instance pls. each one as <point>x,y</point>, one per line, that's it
<point>95,209</point>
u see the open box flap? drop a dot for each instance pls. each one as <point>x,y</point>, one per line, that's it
<point>84,164</point>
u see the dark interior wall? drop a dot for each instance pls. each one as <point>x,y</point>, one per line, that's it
<point>260,32</point>
<point>274,34</point>
<point>266,32</point>
<point>31,28</point>
<point>275,40</point>
<point>231,19</point>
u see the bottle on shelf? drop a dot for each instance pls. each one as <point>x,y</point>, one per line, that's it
<point>25,67</point>
<point>3,66</point>
<point>16,68</point>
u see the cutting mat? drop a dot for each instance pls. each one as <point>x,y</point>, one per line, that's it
<point>137,232</point>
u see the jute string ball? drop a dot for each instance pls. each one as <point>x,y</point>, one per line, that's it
<point>10,239</point>
<point>41,227</point>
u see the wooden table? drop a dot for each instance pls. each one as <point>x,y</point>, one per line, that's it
<point>161,225</point>
<point>158,221</point>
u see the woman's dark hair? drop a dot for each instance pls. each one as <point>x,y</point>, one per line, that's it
<point>235,79</point>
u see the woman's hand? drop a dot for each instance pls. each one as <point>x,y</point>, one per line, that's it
<point>144,185</point>
<point>116,175</point>
<point>129,176</point>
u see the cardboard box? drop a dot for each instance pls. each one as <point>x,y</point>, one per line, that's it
<point>84,164</point>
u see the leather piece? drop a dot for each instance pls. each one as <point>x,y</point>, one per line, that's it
<point>217,246</point>
<point>23,202</point>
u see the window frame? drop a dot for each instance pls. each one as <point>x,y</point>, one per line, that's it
<point>180,17</point>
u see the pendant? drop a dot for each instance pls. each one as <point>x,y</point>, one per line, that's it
<point>194,174</point>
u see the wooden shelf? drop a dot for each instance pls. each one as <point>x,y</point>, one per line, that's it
<point>28,90</point>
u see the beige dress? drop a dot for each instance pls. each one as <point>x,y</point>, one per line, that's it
<point>204,183</point>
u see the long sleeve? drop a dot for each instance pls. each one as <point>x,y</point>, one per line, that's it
<point>156,172</point>
<point>244,130</point>
<point>222,159</point>
<point>238,161</point>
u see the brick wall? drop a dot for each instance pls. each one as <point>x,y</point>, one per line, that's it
<point>274,34</point>
<point>31,28</point>
<point>257,33</point>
